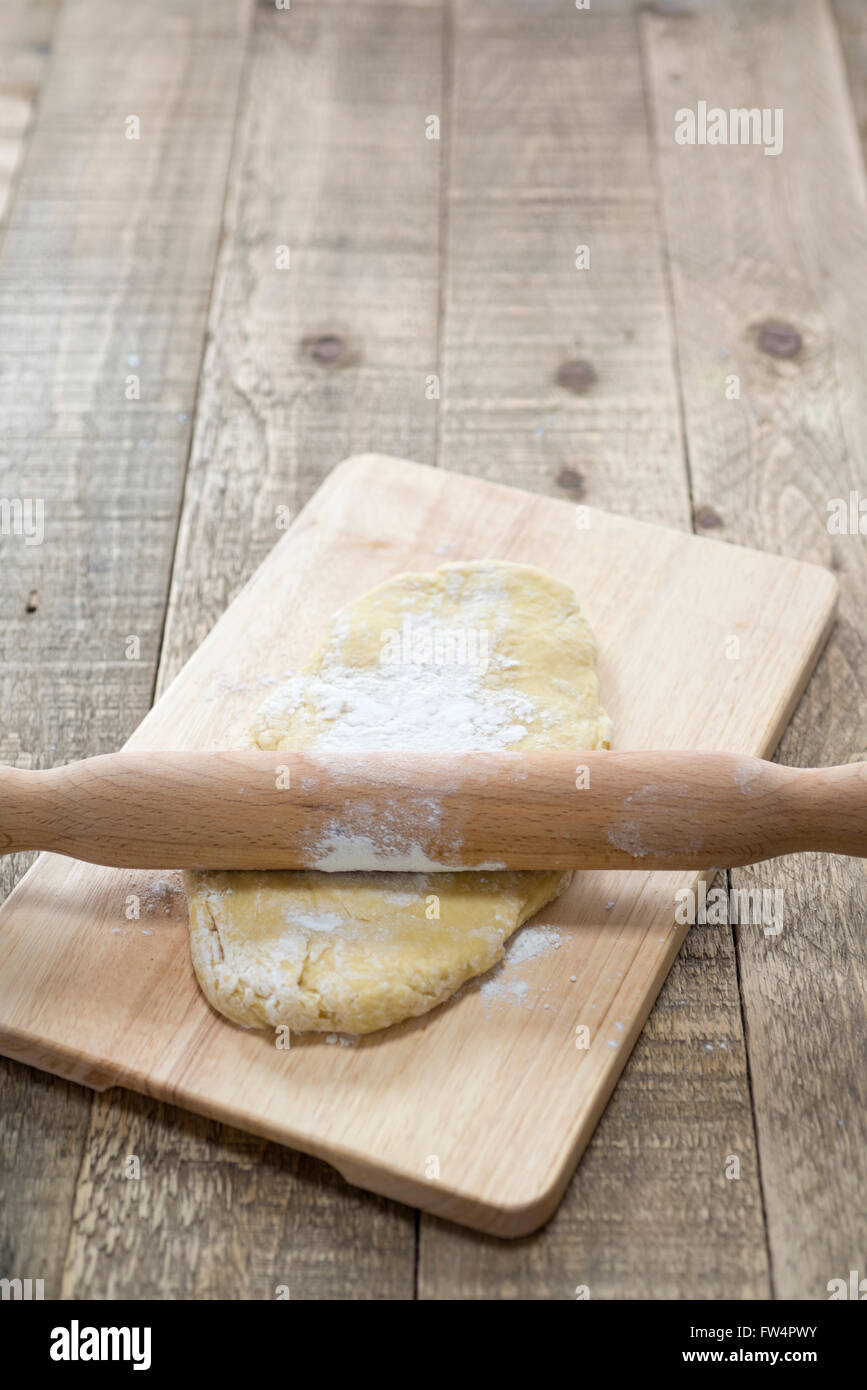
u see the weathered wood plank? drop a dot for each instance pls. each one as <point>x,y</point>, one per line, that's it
<point>218,1214</point>
<point>850,17</point>
<point>26,33</point>
<point>105,272</point>
<point>331,161</point>
<point>549,153</point>
<point>550,150</point>
<point>769,261</point>
<point>330,356</point>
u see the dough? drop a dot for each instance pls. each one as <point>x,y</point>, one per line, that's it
<point>470,656</point>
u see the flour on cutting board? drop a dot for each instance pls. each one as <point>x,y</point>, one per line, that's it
<point>159,895</point>
<point>157,898</point>
<point>502,985</point>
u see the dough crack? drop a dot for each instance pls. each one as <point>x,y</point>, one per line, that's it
<point>216,939</point>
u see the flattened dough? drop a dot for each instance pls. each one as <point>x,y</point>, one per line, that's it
<point>477,655</point>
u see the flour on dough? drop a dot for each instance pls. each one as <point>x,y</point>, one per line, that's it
<point>480,655</point>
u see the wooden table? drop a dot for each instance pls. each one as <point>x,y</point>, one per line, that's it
<point>234,254</point>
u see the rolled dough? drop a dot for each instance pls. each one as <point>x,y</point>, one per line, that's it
<point>476,655</point>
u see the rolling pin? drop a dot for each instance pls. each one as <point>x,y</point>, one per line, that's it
<point>432,811</point>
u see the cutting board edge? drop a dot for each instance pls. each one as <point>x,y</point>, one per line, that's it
<point>360,462</point>
<point>46,1054</point>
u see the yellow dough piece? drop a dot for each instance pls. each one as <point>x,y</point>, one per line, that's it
<point>478,655</point>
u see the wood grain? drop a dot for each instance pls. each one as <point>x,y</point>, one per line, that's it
<point>550,149</point>
<point>329,356</point>
<point>647,1215</point>
<point>256,809</point>
<point>332,92</point>
<point>788,243</point>
<point>105,271</point>
<point>850,22</point>
<point>213,1213</point>
<point>26,33</point>
<point>557,378</point>
<point>432,1087</point>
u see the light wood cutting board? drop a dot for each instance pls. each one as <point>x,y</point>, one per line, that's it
<point>479,1110</point>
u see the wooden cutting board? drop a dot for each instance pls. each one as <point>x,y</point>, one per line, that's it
<point>479,1110</point>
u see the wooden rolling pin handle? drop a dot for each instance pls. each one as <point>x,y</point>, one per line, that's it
<point>21,810</point>
<point>828,807</point>
<point>544,810</point>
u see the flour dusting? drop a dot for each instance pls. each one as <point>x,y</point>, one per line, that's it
<point>423,705</point>
<point>313,921</point>
<point>501,987</point>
